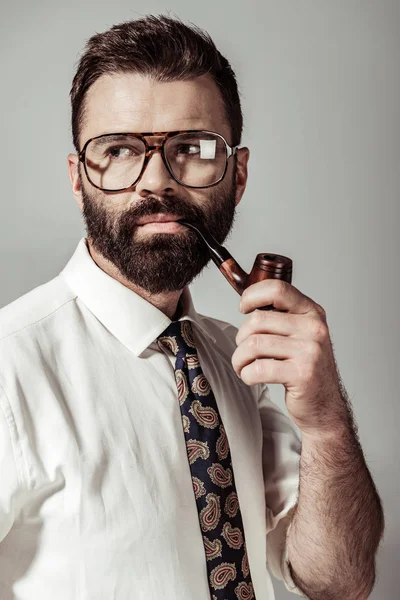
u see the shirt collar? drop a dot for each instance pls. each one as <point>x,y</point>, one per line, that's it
<point>128,316</point>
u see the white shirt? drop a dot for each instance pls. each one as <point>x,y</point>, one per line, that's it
<point>96,497</point>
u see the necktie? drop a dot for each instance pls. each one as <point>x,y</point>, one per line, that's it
<point>211,469</point>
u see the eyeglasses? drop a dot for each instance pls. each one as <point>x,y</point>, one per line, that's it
<point>114,162</point>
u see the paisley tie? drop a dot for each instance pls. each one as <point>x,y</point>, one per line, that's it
<point>211,469</point>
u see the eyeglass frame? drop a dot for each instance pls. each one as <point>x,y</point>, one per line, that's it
<point>150,150</point>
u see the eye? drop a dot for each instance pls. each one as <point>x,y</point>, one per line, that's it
<point>120,152</point>
<point>187,149</point>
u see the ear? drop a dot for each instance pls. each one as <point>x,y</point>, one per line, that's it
<point>73,171</point>
<point>242,158</point>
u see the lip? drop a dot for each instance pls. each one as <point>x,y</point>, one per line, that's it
<point>164,227</point>
<point>157,219</point>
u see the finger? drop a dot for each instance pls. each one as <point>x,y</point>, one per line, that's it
<point>265,370</point>
<point>265,346</point>
<point>281,294</point>
<point>261,321</point>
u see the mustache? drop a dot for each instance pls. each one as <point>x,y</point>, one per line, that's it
<point>168,205</point>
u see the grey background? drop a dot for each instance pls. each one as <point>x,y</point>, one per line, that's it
<point>320,85</point>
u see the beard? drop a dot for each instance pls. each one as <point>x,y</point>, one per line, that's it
<point>163,262</point>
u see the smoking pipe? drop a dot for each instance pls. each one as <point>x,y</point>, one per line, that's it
<point>266,266</point>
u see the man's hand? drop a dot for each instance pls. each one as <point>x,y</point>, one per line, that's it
<point>299,341</point>
<point>338,521</point>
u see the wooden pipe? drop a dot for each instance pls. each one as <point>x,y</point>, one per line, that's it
<point>266,266</point>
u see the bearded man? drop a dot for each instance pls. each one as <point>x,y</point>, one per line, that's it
<point>141,455</point>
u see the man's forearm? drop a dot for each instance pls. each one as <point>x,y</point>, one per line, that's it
<point>338,521</point>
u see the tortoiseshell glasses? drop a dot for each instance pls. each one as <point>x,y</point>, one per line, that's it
<point>115,162</point>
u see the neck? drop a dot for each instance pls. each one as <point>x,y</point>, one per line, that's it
<point>167,302</point>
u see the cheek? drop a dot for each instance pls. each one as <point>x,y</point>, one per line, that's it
<point>222,194</point>
<point>200,198</point>
<point>114,204</point>
<point>120,202</point>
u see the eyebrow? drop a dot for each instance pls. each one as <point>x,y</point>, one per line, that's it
<point>116,137</point>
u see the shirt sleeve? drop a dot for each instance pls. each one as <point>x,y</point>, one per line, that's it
<point>11,474</point>
<point>281,458</point>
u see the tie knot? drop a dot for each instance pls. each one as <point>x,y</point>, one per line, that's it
<point>178,337</point>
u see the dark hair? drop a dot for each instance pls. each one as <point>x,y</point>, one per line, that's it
<point>163,48</point>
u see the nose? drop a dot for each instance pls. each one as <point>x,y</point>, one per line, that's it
<point>156,179</point>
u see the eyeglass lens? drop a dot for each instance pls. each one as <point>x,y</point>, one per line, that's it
<point>114,162</point>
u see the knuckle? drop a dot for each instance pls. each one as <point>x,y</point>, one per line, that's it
<point>304,372</point>
<point>235,361</point>
<point>258,367</point>
<point>321,311</point>
<point>314,350</point>
<point>255,318</point>
<point>279,286</point>
<point>247,378</point>
<point>254,372</point>
<point>319,330</point>
<point>254,341</point>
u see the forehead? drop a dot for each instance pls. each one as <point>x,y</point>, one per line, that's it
<point>134,103</point>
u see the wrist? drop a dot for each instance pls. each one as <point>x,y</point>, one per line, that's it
<point>338,434</point>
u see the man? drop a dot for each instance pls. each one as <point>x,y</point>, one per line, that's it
<point>141,455</point>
